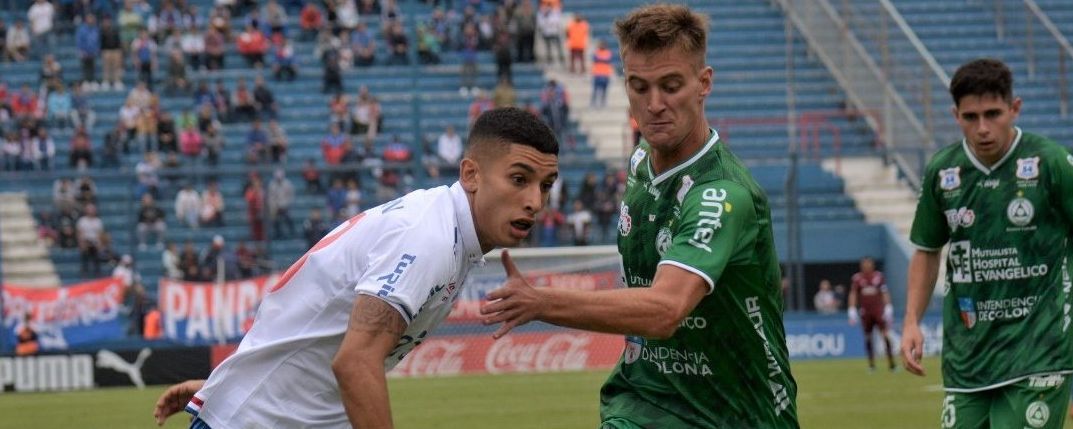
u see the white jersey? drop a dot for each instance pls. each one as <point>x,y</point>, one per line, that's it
<point>413,253</point>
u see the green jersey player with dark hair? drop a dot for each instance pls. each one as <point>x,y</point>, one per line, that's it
<point>1002,198</point>
<point>705,345</point>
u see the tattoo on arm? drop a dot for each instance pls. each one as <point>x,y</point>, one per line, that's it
<point>374,315</point>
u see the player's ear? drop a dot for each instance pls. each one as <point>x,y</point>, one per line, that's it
<point>469,174</point>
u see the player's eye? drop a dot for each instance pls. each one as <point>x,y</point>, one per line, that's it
<point>546,186</point>
<point>518,179</point>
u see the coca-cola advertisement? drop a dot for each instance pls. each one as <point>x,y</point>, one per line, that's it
<point>516,353</point>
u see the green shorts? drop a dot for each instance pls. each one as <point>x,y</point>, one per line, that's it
<point>1038,402</point>
<point>619,423</point>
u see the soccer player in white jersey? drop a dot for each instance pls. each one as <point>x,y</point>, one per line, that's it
<point>372,289</point>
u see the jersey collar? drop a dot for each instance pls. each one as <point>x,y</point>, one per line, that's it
<point>979,165</point>
<point>667,174</point>
<point>464,217</point>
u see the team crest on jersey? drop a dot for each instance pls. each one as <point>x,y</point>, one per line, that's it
<point>968,312</point>
<point>1069,159</point>
<point>687,183</point>
<point>1020,211</point>
<point>950,178</point>
<point>635,160</point>
<point>633,349</point>
<point>625,223</point>
<point>1037,414</point>
<point>663,240</point>
<point>1028,168</point>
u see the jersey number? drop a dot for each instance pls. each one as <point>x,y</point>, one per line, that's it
<point>324,242</point>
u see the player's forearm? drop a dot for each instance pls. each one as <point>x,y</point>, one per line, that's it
<point>635,311</point>
<point>363,386</point>
<point>923,271</point>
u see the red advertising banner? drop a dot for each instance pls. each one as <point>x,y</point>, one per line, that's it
<point>66,316</point>
<point>208,312</point>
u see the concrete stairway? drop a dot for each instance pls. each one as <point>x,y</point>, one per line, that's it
<point>25,258</point>
<point>877,191</point>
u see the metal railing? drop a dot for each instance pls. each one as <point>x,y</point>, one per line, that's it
<point>1048,53</point>
<point>883,68</point>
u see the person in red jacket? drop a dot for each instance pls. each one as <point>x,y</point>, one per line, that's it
<point>252,44</point>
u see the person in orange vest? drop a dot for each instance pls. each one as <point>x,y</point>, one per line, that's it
<point>577,38</point>
<point>26,337</point>
<point>601,74</point>
<point>151,326</point>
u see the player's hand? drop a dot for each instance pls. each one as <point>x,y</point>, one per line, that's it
<point>888,313</point>
<point>513,304</point>
<point>174,399</point>
<point>853,316</point>
<point>912,348</point>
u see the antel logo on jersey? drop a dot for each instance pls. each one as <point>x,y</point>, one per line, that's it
<point>1020,211</point>
<point>960,217</point>
<point>391,278</point>
<point>710,217</point>
<point>625,223</point>
<point>557,352</point>
<point>950,178</point>
<point>1028,168</point>
<point>46,373</point>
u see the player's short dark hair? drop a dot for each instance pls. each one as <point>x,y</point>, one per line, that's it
<point>497,129</point>
<point>980,77</point>
<point>659,27</point>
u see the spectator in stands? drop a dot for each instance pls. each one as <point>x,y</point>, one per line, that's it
<point>363,45</point>
<point>88,41</point>
<point>470,43</point>
<point>193,47</point>
<point>64,195</point>
<point>214,144</point>
<point>314,228</point>
<point>550,23</point>
<point>153,326</point>
<point>169,259</point>
<point>124,272</point>
<point>137,300</point>
<point>276,17</point>
<point>524,23</point>
<point>150,218</point>
<point>550,219</point>
<point>85,192</point>
<point>144,56</point>
<point>284,67</point>
<point>111,55</point>
<point>211,262</point>
<point>608,194</point>
<point>480,104</point>
<point>580,221</point>
<point>428,46</point>
<point>246,258</point>
<point>555,107</point>
<point>589,188</point>
<point>215,45</point>
<point>366,116</point>
<point>89,229</point>
<point>824,300</point>
<point>45,149</point>
<point>130,23</point>
<point>67,237</point>
<point>504,94</point>
<point>188,206</point>
<point>221,101</point>
<point>10,150</point>
<point>29,151</point>
<point>256,143</point>
<point>311,175</point>
<point>335,146</point>
<point>41,16</point>
<point>280,198</point>
<point>336,197</point>
<point>176,81</point>
<point>277,142</point>
<point>333,71</point>
<point>338,109</point>
<point>166,136</point>
<point>311,21</point>
<point>352,202</point>
<point>188,263</point>
<point>449,147</point>
<point>24,105</point>
<point>190,142</point>
<point>252,45</point>
<point>503,58</point>
<point>46,232</point>
<point>59,105</point>
<point>205,119</point>
<point>264,100</point>
<point>81,155</point>
<point>601,74</point>
<point>26,343</point>
<point>577,36</point>
<point>255,205</point>
<point>82,114</point>
<point>147,171</point>
<point>17,42</point>
<point>242,101</point>
<point>51,71</point>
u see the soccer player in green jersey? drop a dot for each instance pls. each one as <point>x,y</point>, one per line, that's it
<point>1002,198</point>
<point>705,345</point>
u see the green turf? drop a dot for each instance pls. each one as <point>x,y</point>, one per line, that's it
<point>833,394</point>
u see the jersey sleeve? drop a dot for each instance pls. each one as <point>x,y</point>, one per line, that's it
<point>929,231</point>
<point>718,221</point>
<point>1061,186</point>
<point>406,265</point>
<point>882,282</point>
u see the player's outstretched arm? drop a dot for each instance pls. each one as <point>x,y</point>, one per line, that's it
<point>175,399</point>
<point>923,270</point>
<point>374,329</point>
<point>653,312</point>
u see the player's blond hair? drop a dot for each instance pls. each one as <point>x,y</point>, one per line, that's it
<point>659,27</point>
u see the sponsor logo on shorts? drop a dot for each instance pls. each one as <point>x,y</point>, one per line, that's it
<point>968,312</point>
<point>1037,414</point>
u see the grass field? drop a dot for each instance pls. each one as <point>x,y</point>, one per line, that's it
<point>833,394</point>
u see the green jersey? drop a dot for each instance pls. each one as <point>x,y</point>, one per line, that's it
<point>727,365</point>
<point>1006,314</point>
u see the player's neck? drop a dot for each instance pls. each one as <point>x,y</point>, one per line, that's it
<point>663,160</point>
